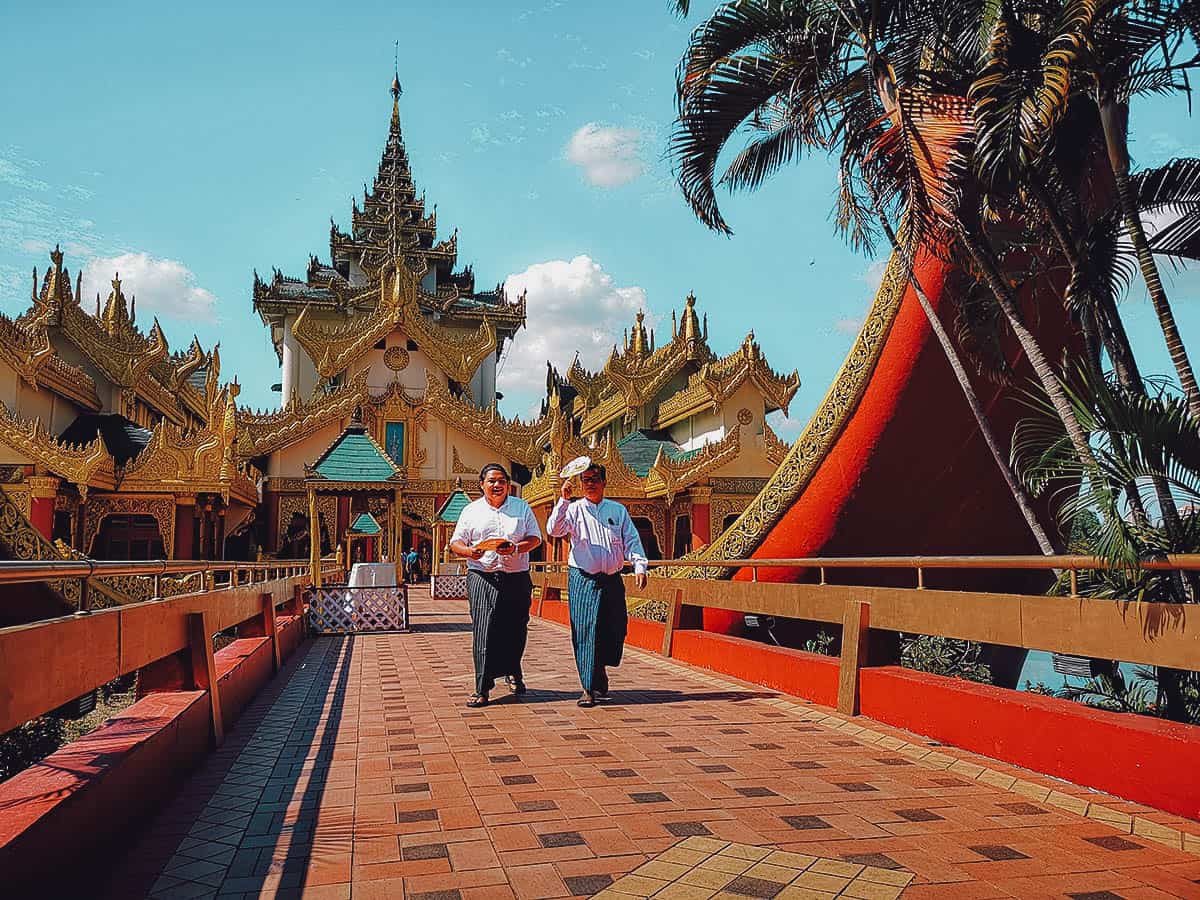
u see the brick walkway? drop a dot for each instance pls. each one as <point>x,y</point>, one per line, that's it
<point>361,773</point>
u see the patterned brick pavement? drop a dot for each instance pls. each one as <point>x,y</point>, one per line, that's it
<point>360,773</point>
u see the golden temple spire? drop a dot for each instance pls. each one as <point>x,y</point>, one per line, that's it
<point>689,327</point>
<point>638,344</point>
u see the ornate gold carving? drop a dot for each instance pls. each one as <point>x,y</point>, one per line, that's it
<point>657,515</point>
<point>88,464</point>
<point>819,435</point>
<point>457,466</point>
<point>262,432</point>
<point>668,476</point>
<point>396,358</point>
<point>43,487</point>
<point>182,369</point>
<point>511,438</point>
<point>776,448</point>
<point>420,508</point>
<point>717,381</point>
<point>332,350</point>
<point>21,541</point>
<point>723,506</point>
<point>289,504</point>
<point>396,404</point>
<point>99,507</point>
<point>745,417</point>
<point>194,461</point>
<point>747,485</point>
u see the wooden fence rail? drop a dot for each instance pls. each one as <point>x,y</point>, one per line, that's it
<point>1157,634</point>
<point>48,663</point>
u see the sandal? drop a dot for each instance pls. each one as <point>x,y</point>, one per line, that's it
<point>586,700</point>
<point>478,700</point>
<point>515,685</point>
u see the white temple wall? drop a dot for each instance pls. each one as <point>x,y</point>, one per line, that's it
<point>69,353</point>
<point>698,430</point>
<point>290,364</point>
<point>289,462</point>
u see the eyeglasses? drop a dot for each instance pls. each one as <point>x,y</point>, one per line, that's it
<point>592,480</point>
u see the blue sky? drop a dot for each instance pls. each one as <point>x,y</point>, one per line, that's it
<point>193,146</point>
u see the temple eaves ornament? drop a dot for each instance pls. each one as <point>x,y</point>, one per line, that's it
<point>332,350</point>
<point>511,438</point>
<point>87,465</point>
<point>189,462</point>
<point>262,433</point>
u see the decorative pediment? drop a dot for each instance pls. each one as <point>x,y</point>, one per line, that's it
<point>511,438</point>
<point>668,476</point>
<point>84,465</point>
<point>332,350</point>
<point>262,433</point>
<point>190,462</point>
<point>717,381</point>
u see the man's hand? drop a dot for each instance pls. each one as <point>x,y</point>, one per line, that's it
<point>639,581</point>
<point>566,491</point>
<point>508,548</point>
<point>476,553</point>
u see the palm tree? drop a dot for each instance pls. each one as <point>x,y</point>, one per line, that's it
<point>817,76</point>
<point>1138,438</point>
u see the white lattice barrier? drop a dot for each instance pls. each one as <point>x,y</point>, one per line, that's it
<point>448,587</point>
<point>338,609</point>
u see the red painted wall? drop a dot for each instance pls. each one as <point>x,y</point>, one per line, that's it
<point>1139,758</point>
<point>93,790</point>
<point>808,675</point>
<point>97,787</point>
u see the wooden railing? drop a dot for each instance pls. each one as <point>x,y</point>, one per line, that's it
<point>48,663</point>
<point>1158,634</point>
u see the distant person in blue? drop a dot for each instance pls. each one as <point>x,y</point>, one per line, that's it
<point>410,563</point>
<point>602,537</point>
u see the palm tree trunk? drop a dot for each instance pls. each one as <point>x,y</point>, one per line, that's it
<point>1104,313</point>
<point>1033,351</point>
<point>1020,495</point>
<point>1112,118</point>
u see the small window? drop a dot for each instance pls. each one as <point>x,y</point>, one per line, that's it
<point>381,345</point>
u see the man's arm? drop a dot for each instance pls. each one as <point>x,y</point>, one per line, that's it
<point>558,525</point>
<point>634,551</point>
<point>533,532</point>
<point>461,541</point>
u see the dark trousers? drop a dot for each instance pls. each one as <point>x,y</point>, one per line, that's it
<point>599,621</point>
<point>499,603</point>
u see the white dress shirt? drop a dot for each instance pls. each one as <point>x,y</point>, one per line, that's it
<point>602,535</point>
<point>513,521</point>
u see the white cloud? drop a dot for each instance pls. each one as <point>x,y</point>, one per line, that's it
<point>163,287</point>
<point>850,325</point>
<point>608,156</point>
<point>572,306</point>
<point>505,55</point>
<point>874,273</point>
<point>786,427</point>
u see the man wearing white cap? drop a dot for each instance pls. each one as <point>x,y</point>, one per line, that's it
<point>602,538</point>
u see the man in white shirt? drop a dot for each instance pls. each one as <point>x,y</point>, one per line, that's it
<point>495,534</point>
<point>602,538</point>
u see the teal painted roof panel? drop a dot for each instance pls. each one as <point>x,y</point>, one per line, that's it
<point>639,450</point>
<point>355,457</point>
<point>365,524</point>
<point>453,507</point>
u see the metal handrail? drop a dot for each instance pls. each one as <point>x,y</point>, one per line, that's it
<point>23,571</point>
<point>1174,562</point>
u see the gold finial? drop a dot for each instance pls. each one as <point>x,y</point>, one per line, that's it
<point>396,89</point>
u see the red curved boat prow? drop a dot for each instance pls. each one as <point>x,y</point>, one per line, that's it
<point>892,462</point>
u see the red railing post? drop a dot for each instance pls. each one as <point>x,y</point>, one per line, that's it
<point>204,669</point>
